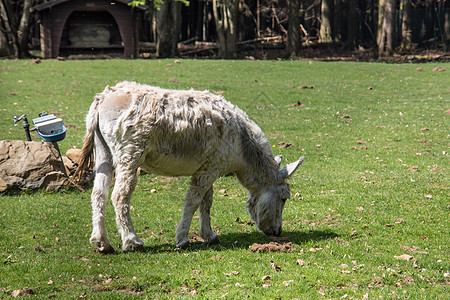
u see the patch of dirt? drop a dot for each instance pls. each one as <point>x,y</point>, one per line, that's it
<point>273,247</point>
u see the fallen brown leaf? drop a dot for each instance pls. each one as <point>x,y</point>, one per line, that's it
<point>287,282</point>
<point>284,145</point>
<point>413,250</point>
<point>298,103</point>
<point>408,280</point>
<point>274,266</point>
<point>315,249</point>
<point>24,291</point>
<point>405,257</point>
<point>342,241</point>
<point>413,169</point>
<point>174,80</point>
<point>266,278</point>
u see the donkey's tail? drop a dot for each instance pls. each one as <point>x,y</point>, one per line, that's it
<point>86,161</point>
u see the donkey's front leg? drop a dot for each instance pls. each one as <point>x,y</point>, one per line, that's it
<point>192,200</point>
<point>126,180</point>
<point>207,234</point>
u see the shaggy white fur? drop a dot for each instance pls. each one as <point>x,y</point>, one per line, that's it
<point>178,133</point>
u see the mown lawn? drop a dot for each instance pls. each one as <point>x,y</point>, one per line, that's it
<point>373,188</point>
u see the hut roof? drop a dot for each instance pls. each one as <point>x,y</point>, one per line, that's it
<point>51,3</point>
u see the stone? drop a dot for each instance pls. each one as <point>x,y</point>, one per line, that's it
<point>74,155</point>
<point>29,166</point>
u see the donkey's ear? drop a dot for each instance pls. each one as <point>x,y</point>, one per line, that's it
<point>289,169</point>
<point>278,159</point>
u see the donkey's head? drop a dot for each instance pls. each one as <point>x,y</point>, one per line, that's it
<point>266,208</point>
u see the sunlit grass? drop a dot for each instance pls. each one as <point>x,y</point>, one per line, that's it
<point>357,200</point>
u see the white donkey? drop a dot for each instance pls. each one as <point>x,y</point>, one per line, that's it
<point>178,133</point>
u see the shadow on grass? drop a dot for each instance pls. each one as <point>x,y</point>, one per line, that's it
<point>243,241</point>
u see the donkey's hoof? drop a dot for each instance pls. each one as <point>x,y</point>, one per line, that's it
<point>133,244</point>
<point>214,241</point>
<point>183,244</point>
<point>105,248</point>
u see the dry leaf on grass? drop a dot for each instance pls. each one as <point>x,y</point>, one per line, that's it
<point>405,257</point>
<point>266,278</point>
<point>174,80</point>
<point>231,273</point>
<point>315,249</point>
<point>342,241</point>
<point>274,266</point>
<point>300,262</point>
<point>413,250</point>
<point>287,282</point>
<point>297,104</point>
<point>25,291</point>
<point>284,145</point>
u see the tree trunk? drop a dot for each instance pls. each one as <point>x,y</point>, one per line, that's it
<point>225,16</point>
<point>352,25</point>
<point>168,28</point>
<point>447,22</point>
<point>386,26</point>
<point>294,35</point>
<point>338,21</point>
<point>407,25</point>
<point>326,34</point>
<point>24,29</point>
<point>8,29</point>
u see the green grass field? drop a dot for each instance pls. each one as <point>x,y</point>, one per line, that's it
<point>374,186</point>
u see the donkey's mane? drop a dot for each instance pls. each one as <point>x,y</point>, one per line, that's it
<point>257,155</point>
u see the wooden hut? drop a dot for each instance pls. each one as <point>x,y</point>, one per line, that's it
<point>88,26</point>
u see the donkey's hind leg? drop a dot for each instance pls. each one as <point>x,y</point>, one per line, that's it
<point>126,180</point>
<point>99,197</point>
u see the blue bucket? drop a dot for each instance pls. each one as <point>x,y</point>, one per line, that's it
<point>56,137</point>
